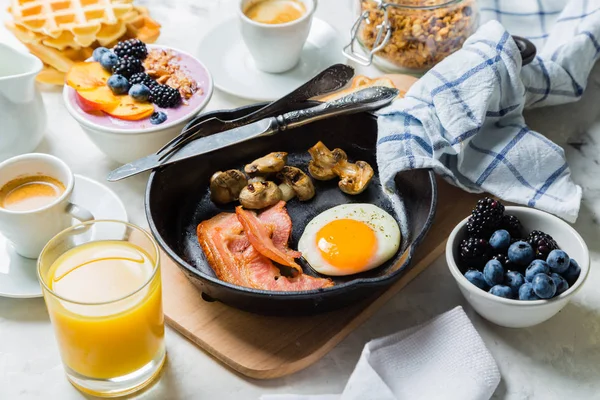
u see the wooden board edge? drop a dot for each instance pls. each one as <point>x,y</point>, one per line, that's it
<point>303,363</point>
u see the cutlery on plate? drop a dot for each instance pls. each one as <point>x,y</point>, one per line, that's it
<point>369,99</point>
<point>327,81</point>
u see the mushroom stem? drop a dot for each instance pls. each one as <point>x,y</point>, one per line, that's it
<point>300,183</point>
<point>287,192</point>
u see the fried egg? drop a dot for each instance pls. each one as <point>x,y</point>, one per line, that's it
<point>349,239</point>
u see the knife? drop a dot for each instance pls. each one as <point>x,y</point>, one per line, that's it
<point>327,81</point>
<point>368,99</point>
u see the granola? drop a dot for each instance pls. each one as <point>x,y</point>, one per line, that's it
<point>420,38</point>
<point>162,65</point>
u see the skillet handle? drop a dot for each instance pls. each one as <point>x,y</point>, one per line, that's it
<point>527,49</point>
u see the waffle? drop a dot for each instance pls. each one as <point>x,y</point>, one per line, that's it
<point>63,32</point>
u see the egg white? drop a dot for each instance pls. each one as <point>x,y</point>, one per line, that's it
<point>384,226</point>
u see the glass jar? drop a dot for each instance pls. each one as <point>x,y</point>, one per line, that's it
<point>410,36</point>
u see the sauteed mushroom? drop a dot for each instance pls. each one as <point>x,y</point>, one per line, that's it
<point>354,177</point>
<point>273,162</point>
<point>322,163</point>
<point>300,183</point>
<point>259,195</point>
<point>225,187</point>
<point>287,192</point>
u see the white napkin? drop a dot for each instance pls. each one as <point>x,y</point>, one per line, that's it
<point>444,358</point>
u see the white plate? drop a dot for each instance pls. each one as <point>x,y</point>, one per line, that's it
<point>233,70</point>
<point>18,275</point>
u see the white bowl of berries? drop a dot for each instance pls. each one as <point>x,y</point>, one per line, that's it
<point>132,99</point>
<point>516,266</point>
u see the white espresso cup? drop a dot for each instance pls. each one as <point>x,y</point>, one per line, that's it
<point>30,230</point>
<point>276,48</point>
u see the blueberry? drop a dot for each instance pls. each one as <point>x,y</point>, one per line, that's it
<point>502,291</point>
<point>108,60</point>
<point>476,278</point>
<point>159,117</point>
<point>118,84</point>
<point>558,261</point>
<point>97,54</point>
<point>543,286</point>
<point>561,284</point>
<point>139,92</point>
<point>500,240</point>
<point>493,273</point>
<point>536,267</point>
<point>521,253</point>
<point>572,273</point>
<point>526,292</point>
<point>514,280</point>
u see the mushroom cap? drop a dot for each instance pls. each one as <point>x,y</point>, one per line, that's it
<point>322,163</point>
<point>300,182</point>
<point>272,162</point>
<point>354,177</point>
<point>259,195</point>
<point>225,187</point>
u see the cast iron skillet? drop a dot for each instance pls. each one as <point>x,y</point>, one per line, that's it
<point>177,199</point>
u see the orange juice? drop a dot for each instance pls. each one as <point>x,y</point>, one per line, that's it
<point>107,312</point>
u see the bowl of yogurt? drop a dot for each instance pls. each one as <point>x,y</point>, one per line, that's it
<point>127,123</point>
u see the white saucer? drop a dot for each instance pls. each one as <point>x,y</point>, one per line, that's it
<point>233,70</point>
<point>18,275</point>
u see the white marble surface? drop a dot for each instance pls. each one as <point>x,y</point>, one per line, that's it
<point>555,360</point>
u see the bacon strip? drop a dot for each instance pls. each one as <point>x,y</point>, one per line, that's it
<point>279,221</point>
<point>236,261</point>
<point>260,239</point>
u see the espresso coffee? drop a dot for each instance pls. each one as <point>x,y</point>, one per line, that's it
<point>30,193</point>
<point>275,11</point>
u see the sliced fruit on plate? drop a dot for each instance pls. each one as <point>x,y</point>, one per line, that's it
<point>131,110</point>
<point>87,76</point>
<point>97,99</point>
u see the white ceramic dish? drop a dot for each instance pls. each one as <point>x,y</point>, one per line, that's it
<point>518,313</point>
<point>126,145</point>
<point>18,276</point>
<point>235,72</point>
<point>22,110</point>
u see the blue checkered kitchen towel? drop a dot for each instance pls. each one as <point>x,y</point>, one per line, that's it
<point>465,119</point>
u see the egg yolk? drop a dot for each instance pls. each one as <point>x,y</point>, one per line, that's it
<point>347,244</point>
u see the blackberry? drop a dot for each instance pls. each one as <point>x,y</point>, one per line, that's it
<point>165,96</point>
<point>143,78</point>
<point>485,218</point>
<point>512,225</point>
<point>506,263</point>
<point>475,252</point>
<point>134,48</point>
<point>542,244</point>
<point>127,66</point>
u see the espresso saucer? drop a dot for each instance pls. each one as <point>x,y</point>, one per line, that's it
<point>18,275</point>
<point>234,72</point>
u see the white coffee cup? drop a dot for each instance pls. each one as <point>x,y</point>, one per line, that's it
<point>30,230</point>
<point>276,48</point>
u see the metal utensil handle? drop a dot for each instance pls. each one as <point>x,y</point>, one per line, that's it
<point>327,81</point>
<point>368,99</point>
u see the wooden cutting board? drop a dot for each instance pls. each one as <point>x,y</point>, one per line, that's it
<point>264,347</point>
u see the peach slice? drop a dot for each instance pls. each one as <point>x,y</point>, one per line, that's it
<point>87,76</point>
<point>97,99</point>
<point>131,110</point>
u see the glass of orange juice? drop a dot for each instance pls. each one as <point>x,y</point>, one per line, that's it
<point>102,287</point>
